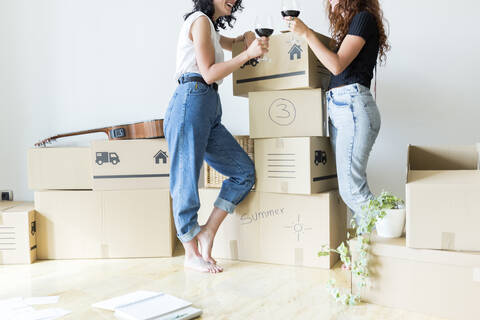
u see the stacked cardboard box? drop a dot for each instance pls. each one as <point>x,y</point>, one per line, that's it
<point>436,268</point>
<point>18,241</point>
<point>109,200</point>
<point>295,208</point>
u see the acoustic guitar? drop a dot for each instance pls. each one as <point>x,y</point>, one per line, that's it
<point>141,130</point>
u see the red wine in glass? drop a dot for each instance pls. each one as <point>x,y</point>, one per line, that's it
<point>264,28</point>
<point>290,13</point>
<point>264,32</point>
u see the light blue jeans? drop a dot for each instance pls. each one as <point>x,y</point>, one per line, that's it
<point>194,133</point>
<point>354,125</point>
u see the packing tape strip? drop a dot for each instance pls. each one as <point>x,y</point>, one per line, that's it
<point>1,257</point>
<point>478,156</point>
<point>448,241</point>
<point>299,256</point>
<point>279,144</point>
<point>476,275</point>
<point>105,251</point>
<point>284,187</point>
<point>234,249</point>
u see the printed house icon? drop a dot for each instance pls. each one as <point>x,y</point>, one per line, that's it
<point>161,155</point>
<point>296,50</point>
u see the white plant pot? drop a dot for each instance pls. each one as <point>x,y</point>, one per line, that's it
<point>392,225</point>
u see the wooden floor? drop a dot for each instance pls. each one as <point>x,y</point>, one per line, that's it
<point>243,291</point>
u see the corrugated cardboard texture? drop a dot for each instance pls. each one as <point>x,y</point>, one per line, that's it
<point>59,168</point>
<point>295,165</point>
<point>17,233</point>
<point>442,189</point>
<point>104,224</point>
<point>433,282</point>
<point>279,229</point>
<point>130,164</point>
<point>288,113</point>
<point>293,65</point>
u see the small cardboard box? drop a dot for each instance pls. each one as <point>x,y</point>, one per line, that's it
<point>288,113</point>
<point>64,168</point>
<point>295,165</point>
<point>279,229</point>
<point>292,65</point>
<point>443,186</point>
<point>104,224</point>
<point>18,242</point>
<point>130,164</point>
<point>440,283</point>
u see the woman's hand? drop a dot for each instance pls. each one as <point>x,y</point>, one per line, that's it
<point>258,48</point>
<point>297,26</point>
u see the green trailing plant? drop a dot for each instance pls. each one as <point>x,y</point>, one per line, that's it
<point>372,212</point>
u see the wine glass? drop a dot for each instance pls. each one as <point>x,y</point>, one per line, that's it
<point>264,28</point>
<point>291,8</point>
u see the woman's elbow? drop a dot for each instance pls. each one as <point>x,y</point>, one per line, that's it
<point>209,81</point>
<point>337,70</point>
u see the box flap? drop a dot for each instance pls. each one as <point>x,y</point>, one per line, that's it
<point>396,248</point>
<point>443,158</point>
<point>452,177</point>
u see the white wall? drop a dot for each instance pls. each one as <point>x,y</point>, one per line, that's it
<point>67,65</point>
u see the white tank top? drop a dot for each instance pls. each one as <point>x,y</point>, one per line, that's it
<point>186,59</point>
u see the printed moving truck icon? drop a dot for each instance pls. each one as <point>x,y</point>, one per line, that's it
<point>252,62</point>
<point>320,156</point>
<point>103,157</point>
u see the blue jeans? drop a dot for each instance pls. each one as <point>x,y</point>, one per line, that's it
<point>194,133</point>
<point>354,125</point>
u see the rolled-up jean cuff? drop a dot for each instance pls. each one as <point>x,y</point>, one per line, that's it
<point>224,205</point>
<point>190,235</point>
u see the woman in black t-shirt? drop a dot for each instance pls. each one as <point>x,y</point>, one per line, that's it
<point>358,30</point>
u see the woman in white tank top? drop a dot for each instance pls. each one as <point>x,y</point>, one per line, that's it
<point>194,131</point>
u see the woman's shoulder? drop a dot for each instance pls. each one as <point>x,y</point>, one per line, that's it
<point>195,15</point>
<point>364,16</point>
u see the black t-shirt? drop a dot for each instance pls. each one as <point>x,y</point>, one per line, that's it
<point>361,69</point>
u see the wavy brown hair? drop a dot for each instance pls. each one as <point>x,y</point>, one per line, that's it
<point>341,17</point>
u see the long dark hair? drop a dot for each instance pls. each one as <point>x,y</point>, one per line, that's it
<point>343,14</point>
<point>206,6</point>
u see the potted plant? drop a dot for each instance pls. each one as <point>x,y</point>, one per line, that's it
<point>355,254</point>
<point>390,215</point>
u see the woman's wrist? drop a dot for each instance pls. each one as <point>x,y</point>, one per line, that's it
<point>308,35</point>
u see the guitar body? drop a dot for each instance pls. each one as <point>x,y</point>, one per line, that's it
<point>140,130</point>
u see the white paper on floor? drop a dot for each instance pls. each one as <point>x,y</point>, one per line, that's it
<point>126,299</point>
<point>20,309</point>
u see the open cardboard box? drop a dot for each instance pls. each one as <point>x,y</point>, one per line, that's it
<point>442,198</point>
<point>440,283</point>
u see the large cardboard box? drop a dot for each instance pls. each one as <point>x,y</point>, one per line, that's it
<point>288,113</point>
<point>279,229</point>
<point>104,224</point>
<point>18,243</point>
<point>440,283</point>
<point>442,191</point>
<point>130,164</point>
<point>295,165</point>
<point>292,65</point>
<point>66,168</point>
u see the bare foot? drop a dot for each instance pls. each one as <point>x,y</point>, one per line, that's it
<point>205,243</point>
<point>198,264</point>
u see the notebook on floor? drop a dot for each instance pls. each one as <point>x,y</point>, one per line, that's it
<point>149,305</point>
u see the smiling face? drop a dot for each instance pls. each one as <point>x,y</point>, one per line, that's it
<point>223,7</point>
